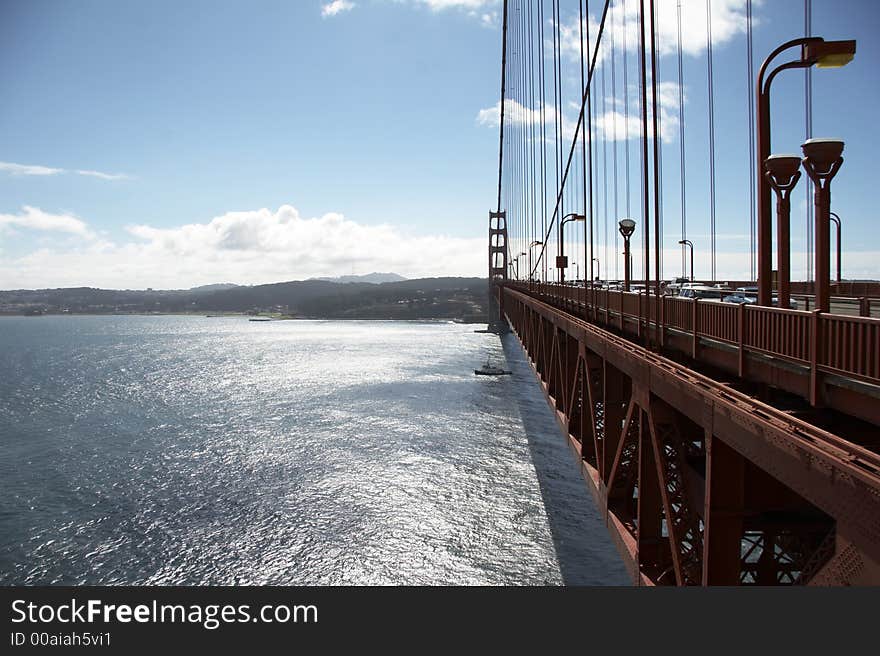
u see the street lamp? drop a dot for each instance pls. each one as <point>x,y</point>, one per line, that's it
<point>626,227</point>
<point>688,242</point>
<point>531,246</point>
<point>836,220</point>
<point>815,51</point>
<point>561,259</point>
<point>822,161</point>
<point>598,268</point>
<point>515,263</point>
<point>783,173</point>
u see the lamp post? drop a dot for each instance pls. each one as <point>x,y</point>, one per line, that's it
<point>561,259</point>
<point>822,161</point>
<point>836,220</point>
<point>626,227</point>
<point>515,264</point>
<point>531,246</point>
<point>783,173</point>
<point>690,244</point>
<point>815,51</point>
<point>598,268</point>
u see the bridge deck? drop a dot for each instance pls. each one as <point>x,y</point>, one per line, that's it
<point>831,361</point>
<point>708,469</point>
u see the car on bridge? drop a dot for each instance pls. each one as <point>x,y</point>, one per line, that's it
<point>704,292</point>
<point>676,286</point>
<point>749,296</point>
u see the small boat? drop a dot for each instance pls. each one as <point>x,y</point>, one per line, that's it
<point>260,319</point>
<point>489,369</point>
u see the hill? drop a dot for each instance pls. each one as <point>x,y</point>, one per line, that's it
<point>462,299</point>
<point>375,278</point>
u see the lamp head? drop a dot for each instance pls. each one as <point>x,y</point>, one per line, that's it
<point>829,54</point>
<point>822,153</point>
<point>627,227</point>
<point>782,169</point>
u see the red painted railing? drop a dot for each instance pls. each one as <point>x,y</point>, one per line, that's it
<point>850,346</point>
<point>847,346</point>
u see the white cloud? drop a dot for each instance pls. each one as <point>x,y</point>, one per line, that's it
<point>260,246</point>
<point>617,126</point>
<point>249,247</point>
<point>102,176</point>
<point>622,25</point>
<point>34,169</point>
<point>336,7</point>
<point>439,5</point>
<point>33,218</point>
<point>28,169</point>
<point>484,11</point>
<point>514,114</point>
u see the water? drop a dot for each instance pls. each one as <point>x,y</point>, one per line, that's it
<point>194,450</point>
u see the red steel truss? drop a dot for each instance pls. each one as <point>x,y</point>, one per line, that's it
<point>699,484</point>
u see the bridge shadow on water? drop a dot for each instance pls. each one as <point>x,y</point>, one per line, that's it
<point>584,550</point>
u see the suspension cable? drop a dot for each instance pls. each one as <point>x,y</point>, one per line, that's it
<point>584,155</point>
<point>681,149</point>
<point>752,170</point>
<point>503,72</point>
<point>711,136</point>
<point>808,120</point>
<point>580,120</point>
<point>543,138</point>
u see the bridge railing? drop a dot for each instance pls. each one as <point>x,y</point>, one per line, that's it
<point>850,346</point>
<point>847,346</point>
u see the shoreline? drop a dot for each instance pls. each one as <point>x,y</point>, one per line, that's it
<point>261,317</point>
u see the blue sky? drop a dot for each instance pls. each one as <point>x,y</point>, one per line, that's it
<point>171,144</point>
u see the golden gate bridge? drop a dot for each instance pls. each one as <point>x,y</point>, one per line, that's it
<point>725,443</point>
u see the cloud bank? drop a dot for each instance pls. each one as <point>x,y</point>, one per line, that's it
<point>33,218</point>
<point>250,247</point>
<point>336,7</point>
<point>35,169</point>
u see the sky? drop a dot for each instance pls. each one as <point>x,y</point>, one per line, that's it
<point>175,144</point>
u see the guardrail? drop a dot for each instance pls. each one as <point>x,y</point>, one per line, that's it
<point>836,344</point>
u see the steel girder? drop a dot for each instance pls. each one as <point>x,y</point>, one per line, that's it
<point>700,484</point>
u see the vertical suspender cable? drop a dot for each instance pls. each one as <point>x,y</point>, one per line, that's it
<point>556,111</point>
<point>681,158</point>
<point>626,109</point>
<point>752,172</point>
<point>643,98</point>
<point>503,71</point>
<point>604,177</point>
<point>559,103</point>
<point>588,91</point>
<point>711,138</point>
<point>579,124</point>
<point>534,206</point>
<point>588,262</point>
<point>525,108</point>
<point>543,119</point>
<point>808,120</point>
<point>656,146</point>
<point>615,216</point>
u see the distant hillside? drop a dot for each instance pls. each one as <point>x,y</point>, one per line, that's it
<point>374,278</point>
<point>463,299</point>
<point>205,289</point>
